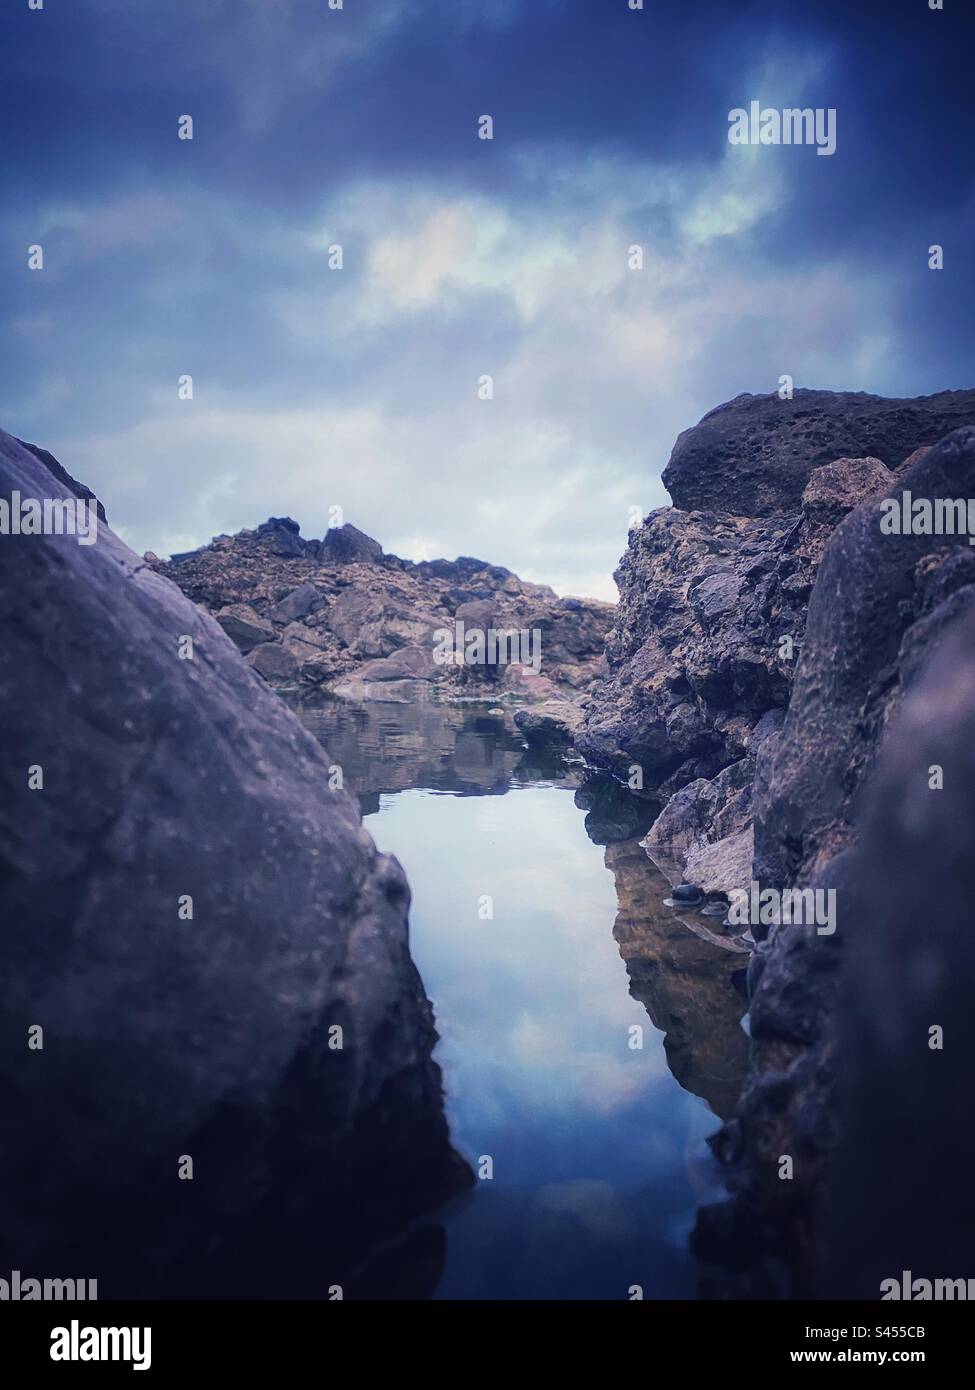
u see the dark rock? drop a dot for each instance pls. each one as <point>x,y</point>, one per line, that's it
<point>299,603</point>
<point>900,1189</point>
<point>274,662</point>
<point>243,626</point>
<point>280,535</point>
<point>868,600</point>
<point>206,1037</point>
<point>64,477</point>
<point>753,456</point>
<point>688,893</point>
<point>346,545</point>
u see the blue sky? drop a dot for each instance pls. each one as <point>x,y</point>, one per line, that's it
<point>315,387</point>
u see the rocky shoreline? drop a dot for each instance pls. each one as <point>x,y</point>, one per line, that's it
<point>757,673</point>
<point>780,683</point>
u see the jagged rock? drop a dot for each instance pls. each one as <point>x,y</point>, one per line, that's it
<point>836,488</point>
<point>358,610</point>
<point>243,626</point>
<point>409,663</point>
<point>753,455</point>
<point>298,604</point>
<point>885,676</point>
<point>344,545</point>
<point>723,866</point>
<point>280,535</point>
<point>554,721</point>
<point>274,661</point>
<point>872,588</point>
<point>167,1035</point>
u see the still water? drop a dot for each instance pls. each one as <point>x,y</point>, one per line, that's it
<point>590,1040</point>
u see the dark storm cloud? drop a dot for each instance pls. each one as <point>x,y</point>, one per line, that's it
<point>462,257</point>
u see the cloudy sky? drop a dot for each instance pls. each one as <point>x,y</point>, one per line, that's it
<point>463,257</point>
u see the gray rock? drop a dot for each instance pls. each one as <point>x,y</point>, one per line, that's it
<point>167,1036</point>
<point>298,604</point>
<point>275,661</point>
<point>243,626</point>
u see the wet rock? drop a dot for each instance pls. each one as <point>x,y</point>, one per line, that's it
<point>169,1035</point>
<point>553,722</point>
<point>725,865</point>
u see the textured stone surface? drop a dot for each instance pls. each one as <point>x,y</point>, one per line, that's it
<point>357,606</point>
<point>753,455</point>
<point>906,1129</point>
<point>207,1037</point>
<point>872,588</point>
<point>885,682</point>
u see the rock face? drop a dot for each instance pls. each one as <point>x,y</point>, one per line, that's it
<point>906,1132</point>
<point>885,679</point>
<point>754,455</point>
<point>341,615</point>
<point>711,622</point>
<point>879,608</point>
<point>176,1030</point>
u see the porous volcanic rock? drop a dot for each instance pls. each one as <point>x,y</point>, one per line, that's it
<point>754,455</point>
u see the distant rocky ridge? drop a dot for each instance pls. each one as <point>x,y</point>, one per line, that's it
<point>340,615</point>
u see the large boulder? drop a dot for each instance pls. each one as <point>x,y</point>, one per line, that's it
<point>871,592</point>
<point>753,455</point>
<point>900,1190</point>
<point>189,915</point>
<point>885,682</point>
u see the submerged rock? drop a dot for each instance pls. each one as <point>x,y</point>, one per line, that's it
<point>194,920</point>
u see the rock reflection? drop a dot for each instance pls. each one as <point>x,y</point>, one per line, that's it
<point>682,980</point>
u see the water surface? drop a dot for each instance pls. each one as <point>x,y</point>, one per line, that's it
<point>589,1039</point>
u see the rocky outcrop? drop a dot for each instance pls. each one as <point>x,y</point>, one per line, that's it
<point>205,959</point>
<point>878,610</point>
<point>340,615</point>
<point>882,680</point>
<point>712,615</point>
<point>905,1031</point>
<point>753,456</point>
